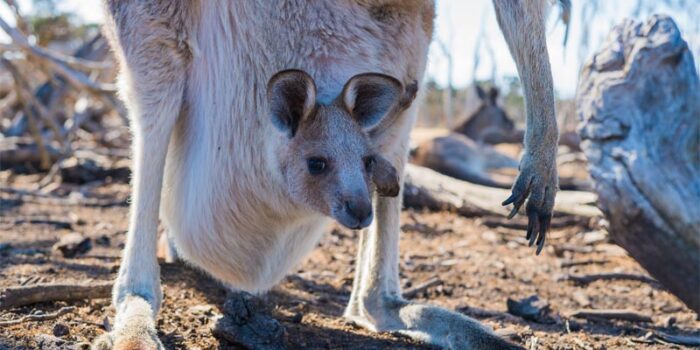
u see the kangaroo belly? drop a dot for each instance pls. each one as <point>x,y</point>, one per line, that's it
<point>244,258</point>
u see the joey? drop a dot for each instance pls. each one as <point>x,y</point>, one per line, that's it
<point>328,160</point>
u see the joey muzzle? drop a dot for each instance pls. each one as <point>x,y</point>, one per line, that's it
<point>357,212</point>
<point>357,208</point>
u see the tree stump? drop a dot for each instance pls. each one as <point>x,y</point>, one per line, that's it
<point>638,104</point>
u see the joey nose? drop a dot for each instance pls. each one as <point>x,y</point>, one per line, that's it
<point>360,210</point>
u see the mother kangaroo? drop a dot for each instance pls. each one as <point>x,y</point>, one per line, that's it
<point>218,154</point>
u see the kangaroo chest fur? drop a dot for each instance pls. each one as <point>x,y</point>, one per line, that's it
<point>224,200</point>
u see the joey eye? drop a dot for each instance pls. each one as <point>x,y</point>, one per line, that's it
<point>369,163</point>
<point>316,165</point>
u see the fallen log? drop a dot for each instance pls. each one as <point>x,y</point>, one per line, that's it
<point>639,106</point>
<point>427,189</point>
<point>38,293</point>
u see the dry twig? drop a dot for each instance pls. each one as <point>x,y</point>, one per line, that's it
<point>608,276</point>
<point>626,315</point>
<point>412,292</point>
<point>571,263</point>
<point>43,317</point>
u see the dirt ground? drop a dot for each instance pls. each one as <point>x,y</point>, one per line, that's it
<point>478,267</point>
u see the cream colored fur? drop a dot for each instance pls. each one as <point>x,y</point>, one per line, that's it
<point>193,76</point>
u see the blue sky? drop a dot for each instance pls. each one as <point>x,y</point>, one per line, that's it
<point>461,21</point>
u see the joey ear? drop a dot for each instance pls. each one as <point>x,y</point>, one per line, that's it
<point>385,177</point>
<point>291,96</point>
<point>369,97</point>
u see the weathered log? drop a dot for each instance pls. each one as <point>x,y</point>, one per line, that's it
<point>425,188</point>
<point>639,107</point>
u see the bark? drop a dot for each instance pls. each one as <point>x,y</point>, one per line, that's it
<point>639,107</point>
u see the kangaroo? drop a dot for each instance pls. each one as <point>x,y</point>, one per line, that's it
<point>489,123</point>
<point>460,157</point>
<point>224,159</point>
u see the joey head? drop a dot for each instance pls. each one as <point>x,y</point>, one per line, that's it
<point>327,159</point>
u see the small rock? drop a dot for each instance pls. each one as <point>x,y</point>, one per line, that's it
<point>491,236</point>
<point>246,323</point>
<point>72,245</point>
<point>449,262</point>
<point>82,346</point>
<point>60,329</point>
<point>512,245</point>
<point>106,325</point>
<point>593,237</point>
<point>530,308</point>
<point>103,241</point>
<point>49,342</point>
<point>611,250</point>
<point>297,317</point>
<point>76,219</point>
<point>201,309</point>
<point>573,326</point>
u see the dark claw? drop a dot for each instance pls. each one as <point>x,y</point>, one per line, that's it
<point>513,212</point>
<point>531,225</point>
<point>540,244</point>
<point>532,237</point>
<point>510,200</point>
<point>538,221</point>
<point>517,200</point>
<point>545,220</point>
